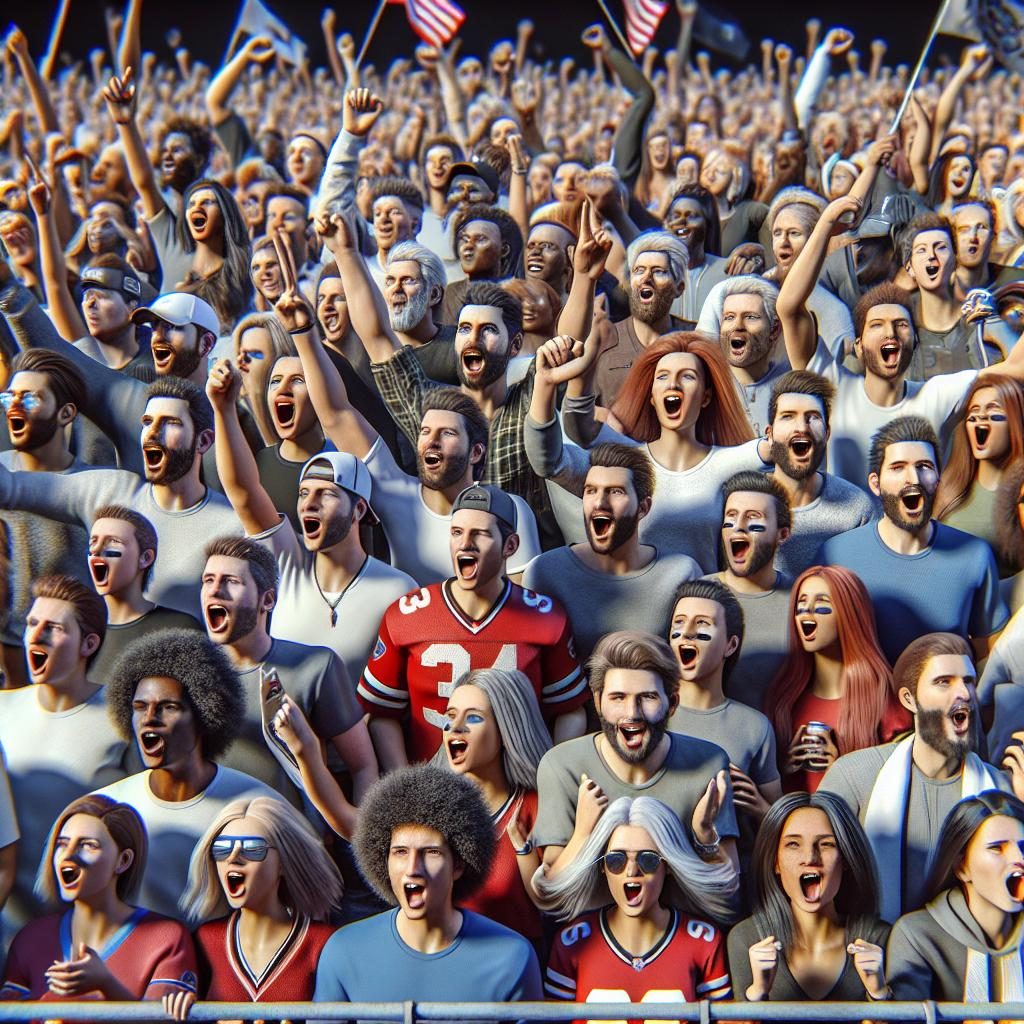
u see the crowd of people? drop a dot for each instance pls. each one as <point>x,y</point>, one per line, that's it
<point>493,529</point>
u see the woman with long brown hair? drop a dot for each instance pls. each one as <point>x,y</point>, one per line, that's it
<point>988,443</point>
<point>833,694</point>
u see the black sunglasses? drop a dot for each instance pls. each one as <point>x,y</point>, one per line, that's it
<point>647,861</point>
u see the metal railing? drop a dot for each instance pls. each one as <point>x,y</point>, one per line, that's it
<point>705,1012</point>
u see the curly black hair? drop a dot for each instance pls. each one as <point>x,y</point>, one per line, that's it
<point>437,799</point>
<point>212,687</point>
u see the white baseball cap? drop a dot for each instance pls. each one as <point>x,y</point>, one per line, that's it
<point>345,470</point>
<point>179,308</point>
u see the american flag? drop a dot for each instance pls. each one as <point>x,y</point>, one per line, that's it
<point>434,21</point>
<point>642,20</point>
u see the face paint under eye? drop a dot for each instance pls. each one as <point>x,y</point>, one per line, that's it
<point>728,525</point>
<point>757,528</point>
<point>111,553</point>
<point>703,636</point>
<point>822,609</point>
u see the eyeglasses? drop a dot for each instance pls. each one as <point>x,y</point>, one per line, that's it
<point>29,399</point>
<point>648,861</point>
<point>253,847</point>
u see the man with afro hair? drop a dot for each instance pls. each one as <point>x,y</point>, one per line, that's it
<point>175,694</point>
<point>425,841</point>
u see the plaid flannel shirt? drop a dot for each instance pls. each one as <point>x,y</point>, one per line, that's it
<point>403,384</point>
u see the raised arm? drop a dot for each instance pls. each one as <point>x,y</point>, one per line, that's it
<point>798,326</point>
<point>879,154</point>
<point>119,94</point>
<point>837,42</point>
<point>257,50</point>
<point>974,64</point>
<point>129,53</point>
<point>920,147</point>
<point>517,205</point>
<point>359,114</point>
<point>236,464</point>
<point>588,261</point>
<point>18,45</point>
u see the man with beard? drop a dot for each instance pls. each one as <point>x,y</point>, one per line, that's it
<point>903,791</point>
<point>755,524</point>
<point>177,699</point>
<point>489,334</point>
<point>331,593</point>
<point>57,740</point>
<point>239,591</point>
<point>489,245</point>
<point>885,338</point>
<point>706,634</point>
<point>478,618</point>
<point>450,451</point>
<point>177,428</point>
<point>923,576</point>
<point>123,548</point>
<point>821,504</point>
<point>635,682</point>
<point>613,581</point>
<point>43,396</point>
<point>656,276</point>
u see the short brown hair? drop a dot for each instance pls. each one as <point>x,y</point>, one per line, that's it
<point>910,664</point>
<point>62,376</point>
<point>635,650</point>
<point>802,382</point>
<point>627,456</point>
<point>901,430</point>
<point>90,608</point>
<point>453,400</point>
<point>884,294</point>
<point>145,533</point>
<point>262,564</point>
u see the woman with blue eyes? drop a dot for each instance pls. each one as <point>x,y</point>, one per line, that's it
<point>262,865</point>
<point>988,443</point>
<point>833,693</point>
<point>495,735</point>
<point>815,932</point>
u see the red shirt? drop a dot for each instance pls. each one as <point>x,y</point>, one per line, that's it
<point>426,644</point>
<point>289,977</point>
<point>150,955</point>
<point>503,897</point>
<point>587,965</point>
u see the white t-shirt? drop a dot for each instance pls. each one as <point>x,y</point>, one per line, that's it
<point>174,828</point>
<point>419,537</point>
<point>302,614</point>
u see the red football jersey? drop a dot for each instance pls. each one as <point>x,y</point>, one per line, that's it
<point>426,644</point>
<point>150,955</point>
<point>587,965</point>
<point>503,897</point>
<point>290,977</point>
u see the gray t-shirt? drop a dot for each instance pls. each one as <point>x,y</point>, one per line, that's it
<point>839,506</point>
<point>120,636</point>
<point>743,733</point>
<point>1002,687</point>
<point>600,602</point>
<point>316,679</point>
<point>680,783</point>
<point>765,641</point>
<point>929,801</point>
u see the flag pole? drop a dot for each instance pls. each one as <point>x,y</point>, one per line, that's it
<point>370,31</point>
<point>615,28</point>
<point>919,67</point>
<point>46,70</point>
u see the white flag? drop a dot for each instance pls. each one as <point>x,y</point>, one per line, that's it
<point>961,19</point>
<point>256,19</point>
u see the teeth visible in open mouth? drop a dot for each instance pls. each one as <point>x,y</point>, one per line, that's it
<point>69,873</point>
<point>161,354</point>
<point>217,617</point>
<point>673,403</point>
<point>153,456</point>
<point>801,447</point>
<point>633,734</point>
<point>285,411</point>
<point>535,268</point>
<point>913,501</point>
<point>687,654</point>
<point>100,571</point>
<point>432,459</point>
<point>601,524</point>
<point>467,566</point>
<point>37,659</point>
<point>457,748</point>
<point>16,424</point>
<point>151,742</point>
<point>981,433</point>
<point>810,883</point>
<point>890,350</point>
<point>414,894</point>
<point>1015,886</point>
<point>473,360</point>
<point>235,881</point>
<point>632,891</point>
<point>808,627</point>
<point>739,547</point>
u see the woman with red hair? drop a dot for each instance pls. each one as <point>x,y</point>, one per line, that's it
<point>680,401</point>
<point>834,692</point>
<point>989,442</point>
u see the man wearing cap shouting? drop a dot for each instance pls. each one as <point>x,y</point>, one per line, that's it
<point>111,292</point>
<point>430,638</point>
<point>331,593</point>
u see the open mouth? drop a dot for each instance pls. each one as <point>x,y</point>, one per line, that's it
<point>457,750</point>
<point>801,447</point>
<point>433,459</point>
<point>960,716</point>
<point>890,352</point>
<point>467,566</point>
<point>16,424</point>
<point>152,743</point>
<point>415,895</point>
<point>981,432</point>
<point>284,409</point>
<point>473,361</point>
<point>913,501</point>
<point>534,267</point>
<point>737,343</point>
<point>311,527</point>
<point>1015,886</point>
<point>783,255</point>
<point>235,882</point>
<point>633,735</point>
<point>100,571</point>
<point>154,456</point>
<point>601,525</point>
<point>37,659</point>
<point>687,655</point>
<point>163,356</point>
<point>646,293</point>
<point>810,885</point>
<point>931,268</point>
<point>197,220</point>
<point>70,874</point>
<point>217,617</point>
<point>740,548</point>
<point>809,628</point>
<point>633,891</point>
<point>673,404</point>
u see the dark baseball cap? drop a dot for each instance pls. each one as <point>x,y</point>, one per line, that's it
<point>488,498</point>
<point>478,169</point>
<point>112,279</point>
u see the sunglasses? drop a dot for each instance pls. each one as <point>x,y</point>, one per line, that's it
<point>647,861</point>
<point>29,400</point>
<point>253,847</point>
